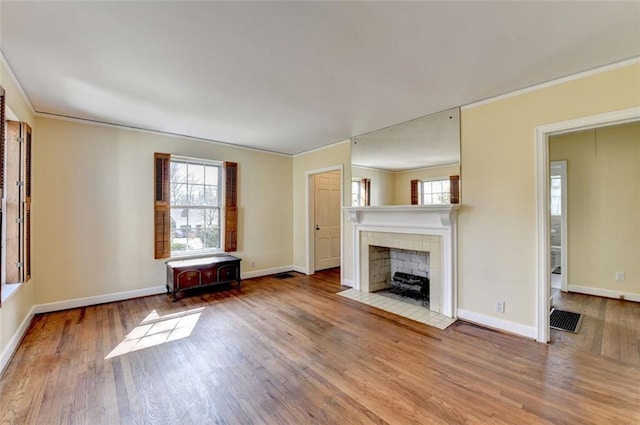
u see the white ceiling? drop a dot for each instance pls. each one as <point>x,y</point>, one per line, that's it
<point>292,76</point>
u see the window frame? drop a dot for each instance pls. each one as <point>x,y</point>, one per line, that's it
<point>363,192</point>
<point>220,206</point>
<point>421,191</point>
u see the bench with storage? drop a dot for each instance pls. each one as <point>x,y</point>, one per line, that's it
<point>201,272</point>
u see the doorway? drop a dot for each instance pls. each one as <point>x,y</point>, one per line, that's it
<point>324,218</point>
<point>326,212</point>
<point>543,176</point>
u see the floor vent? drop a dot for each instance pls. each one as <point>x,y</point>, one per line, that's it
<point>283,276</point>
<point>565,320</point>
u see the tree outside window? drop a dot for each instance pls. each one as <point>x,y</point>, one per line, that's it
<point>195,187</point>
<point>436,192</point>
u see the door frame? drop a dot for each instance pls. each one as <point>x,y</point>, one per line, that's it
<point>309,215</point>
<point>564,239</point>
<point>543,133</point>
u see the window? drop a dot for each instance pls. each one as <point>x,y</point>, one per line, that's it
<point>360,192</point>
<point>193,207</point>
<point>356,193</point>
<point>435,192</point>
<point>195,201</point>
<point>556,195</point>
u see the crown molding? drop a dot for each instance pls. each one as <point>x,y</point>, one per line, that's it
<point>572,77</point>
<point>16,82</point>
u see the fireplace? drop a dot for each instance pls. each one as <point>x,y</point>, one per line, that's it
<point>385,262</point>
<point>416,232</point>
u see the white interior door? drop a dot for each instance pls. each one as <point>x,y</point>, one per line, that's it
<point>327,219</point>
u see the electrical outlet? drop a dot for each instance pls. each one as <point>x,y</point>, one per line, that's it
<point>253,263</point>
<point>620,276</point>
<point>500,306</point>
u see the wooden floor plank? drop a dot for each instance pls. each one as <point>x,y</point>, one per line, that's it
<point>291,351</point>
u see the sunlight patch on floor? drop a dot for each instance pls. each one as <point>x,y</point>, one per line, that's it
<point>155,330</point>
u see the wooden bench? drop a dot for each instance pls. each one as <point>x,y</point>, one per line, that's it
<point>202,272</point>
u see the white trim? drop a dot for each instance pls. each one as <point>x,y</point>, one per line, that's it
<point>295,155</point>
<point>544,240</point>
<point>98,299</point>
<point>267,272</point>
<point>347,282</point>
<point>154,132</point>
<point>607,293</point>
<point>14,342</point>
<point>308,216</point>
<point>127,295</point>
<point>496,323</point>
<point>16,82</point>
<point>300,269</point>
<point>546,84</point>
<point>542,134</point>
<point>413,170</point>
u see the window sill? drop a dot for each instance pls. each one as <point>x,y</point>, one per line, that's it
<point>8,289</point>
<point>176,257</point>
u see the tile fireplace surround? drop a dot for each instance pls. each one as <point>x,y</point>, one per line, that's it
<point>428,228</point>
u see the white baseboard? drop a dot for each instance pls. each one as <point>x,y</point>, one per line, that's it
<point>121,296</point>
<point>99,299</point>
<point>500,324</point>
<point>299,269</point>
<point>347,282</point>
<point>607,293</point>
<point>12,346</point>
<point>267,272</point>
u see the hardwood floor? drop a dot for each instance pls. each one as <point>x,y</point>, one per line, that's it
<point>291,351</point>
<point>610,328</point>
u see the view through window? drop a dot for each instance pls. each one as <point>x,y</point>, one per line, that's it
<point>435,192</point>
<point>195,206</point>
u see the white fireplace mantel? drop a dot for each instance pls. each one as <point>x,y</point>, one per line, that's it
<point>420,213</point>
<point>438,220</point>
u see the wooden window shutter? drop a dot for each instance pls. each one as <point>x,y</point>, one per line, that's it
<point>2,118</point>
<point>14,208</point>
<point>161,206</point>
<point>26,196</point>
<point>2,142</point>
<point>231,206</point>
<point>27,163</point>
<point>454,187</point>
<point>27,242</point>
<point>366,188</point>
<point>415,195</point>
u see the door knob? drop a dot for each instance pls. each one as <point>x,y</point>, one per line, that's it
<point>317,227</point>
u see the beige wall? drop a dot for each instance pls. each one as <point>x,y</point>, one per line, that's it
<point>497,222</point>
<point>335,155</point>
<point>403,180</point>
<point>394,188</point>
<point>15,309</point>
<point>603,195</point>
<point>93,208</point>
<point>382,184</point>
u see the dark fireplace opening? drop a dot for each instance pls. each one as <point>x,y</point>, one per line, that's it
<point>409,285</point>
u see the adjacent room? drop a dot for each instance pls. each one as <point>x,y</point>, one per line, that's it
<point>319,212</point>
